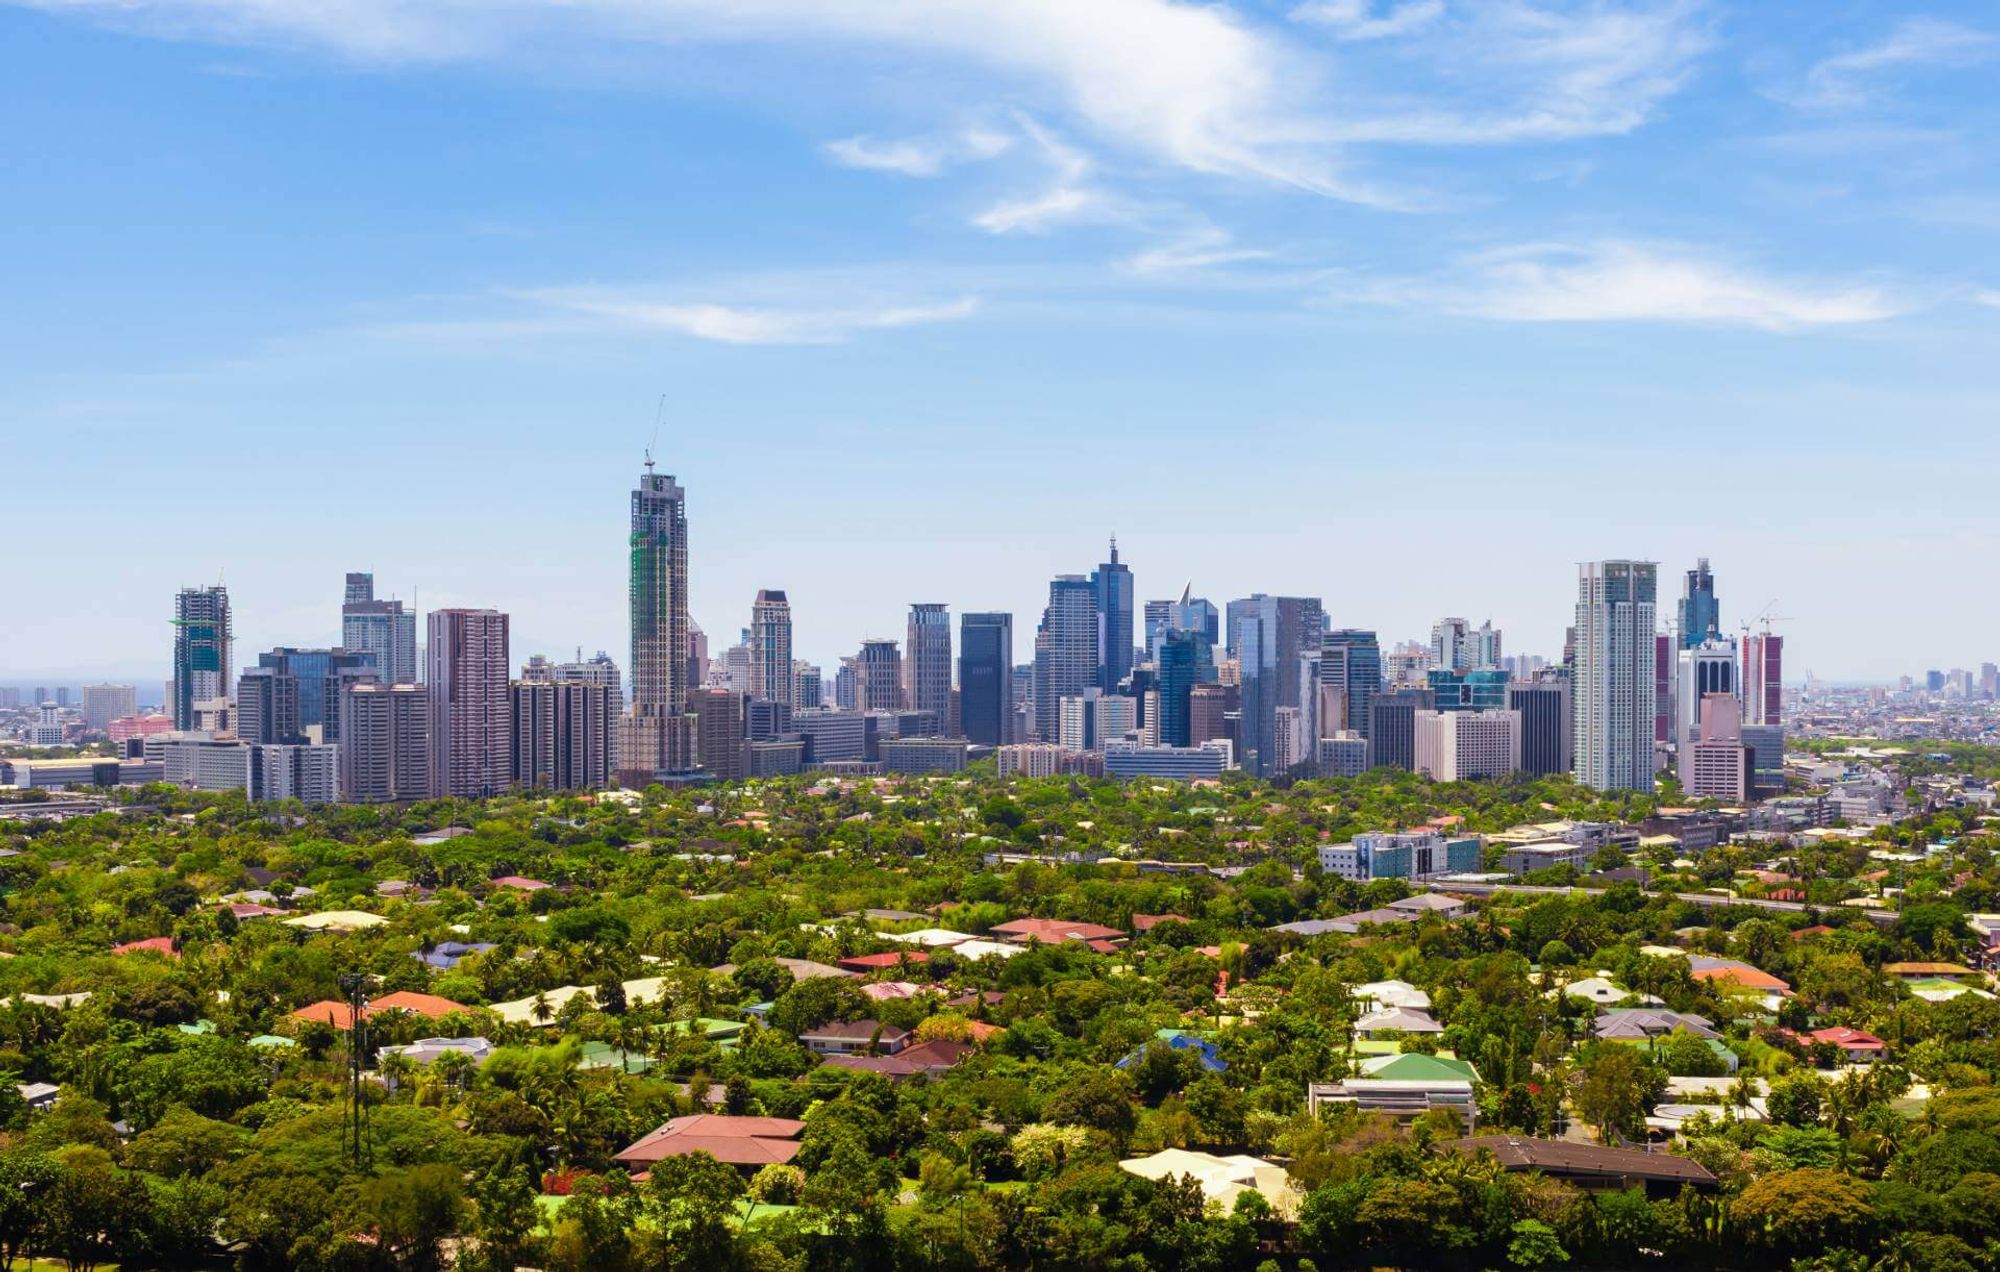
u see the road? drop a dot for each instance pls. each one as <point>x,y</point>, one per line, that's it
<point>1712,899</point>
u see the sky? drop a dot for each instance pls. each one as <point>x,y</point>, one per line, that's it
<point>1406,304</point>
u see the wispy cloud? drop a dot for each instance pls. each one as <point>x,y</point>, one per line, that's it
<point>918,156</point>
<point>1613,281</point>
<point>1851,79</point>
<point>1364,20</point>
<point>1066,198</point>
<point>1205,247</point>
<point>745,324</point>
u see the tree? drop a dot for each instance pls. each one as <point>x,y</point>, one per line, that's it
<point>1615,1090</point>
<point>690,1202</point>
<point>1533,1244</point>
<point>1796,1100</point>
<point>1809,1209</point>
<point>411,1212</point>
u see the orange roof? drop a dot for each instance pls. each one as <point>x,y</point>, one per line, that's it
<point>1055,931</point>
<point>414,1003</point>
<point>739,1141</point>
<point>1926,969</point>
<point>153,944</point>
<point>982,1030</point>
<point>332,1011</point>
<point>1744,978</point>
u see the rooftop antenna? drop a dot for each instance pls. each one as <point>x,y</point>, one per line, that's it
<point>658,415</point>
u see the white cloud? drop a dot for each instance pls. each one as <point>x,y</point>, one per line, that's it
<point>1628,282</point>
<point>1548,71</point>
<point>1066,198</point>
<point>1198,249</point>
<point>918,156</point>
<point>1844,80</point>
<point>1989,298</point>
<point>1358,19</point>
<point>745,324</point>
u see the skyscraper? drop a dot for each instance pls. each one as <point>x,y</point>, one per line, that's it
<point>104,703</point>
<point>1111,585</point>
<point>1763,680</point>
<point>385,753</point>
<point>656,736</point>
<point>1452,645</point>
<point>718,731</point>
<point>267,706</point>
<point>878,676</point>
<point>564,733</point>
<point>1546,722</point>
<point>986,677</point>
<point>1700,671</point>
<point>771,647</point>
<point>1700,613</point>
<point>1350,663</point>
<point>201,650</point>
<point>384,631</point>
<point>1177,663</point>
<point>319,673</point>
<point>1267,635</point>
<point>1066,660</point>
<point>927,661</point>
<point>471,725</point>
<point>1616,620</point>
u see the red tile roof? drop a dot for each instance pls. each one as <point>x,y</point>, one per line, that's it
<point>153,944</point>
<point>878,962</point>
<point>1055,931</point>
<point>519,883</point>
<point>340,1016</point>
<point>1147,922</point>
<point>739,1141</point>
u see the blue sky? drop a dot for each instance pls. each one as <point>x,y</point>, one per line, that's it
<point>1407,304</point>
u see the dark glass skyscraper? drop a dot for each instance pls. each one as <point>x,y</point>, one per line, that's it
<point>656,738</point>
<point>1112,587</point>
<point>1178,668</point>
<point>1267,635</point>
<point>986,677</point>
<point>1701,613</point>
<point>1351,662</point>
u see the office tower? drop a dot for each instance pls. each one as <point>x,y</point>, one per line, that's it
<point>771,647</point>
<point>878,676</point>
<point>10,699</point>
<point>267,707</point>
<point>986,677</point>
<point>1719,764</point>
<point>1267,635</point>
<point>1092,719</point>
<point>1392,727</point>
<point>808,689</point>
<point>1452,647</point>
<point>656,735</point>
<point>1486,646</point>
<point>834,735</point>
<point>697,656</point>
<point>1291,740</point>
<point>384,631</point>
<point>201,650</point>
<point>1699,672</point>
<point>1989,678</point>
<point>927,661</point>
<point>1111,585</point>
<point>1934,681</point>
<point>1475,690</point>
<point>104,703</point>
<point>1459,746</point>
<point>1766,744</point>
<point>598,669</point>
<point>1195,614</point>
<point>62,695</point>
<point>1156,617</point>
<point>1616,626</point>
<point>1546,721</point>
<point>1066,661</point>
<point>1666,662</point>
<point>471,730</point>
<point>563,733</point>
<point>1176,671</point>
<point>718,731</point>
<point>319,674</point>
<point>765,721</point>
<point>847,684</point>
<point>1764,679</point>
<point>1350,664</point>
<point>1700,614</point>
<point>385,751</point>
<point>1210,708</point>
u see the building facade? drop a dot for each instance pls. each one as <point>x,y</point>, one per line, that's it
<point>654,737</point>
<point>985,677</point>
<point>1459,746</point>
<point>385,751</point>
<point>201,650</point>
<point>771,677</point>
<point>1066,658</point>
<point>471,733</point>
<point>878,676</point>
<point>1613,691</point>
<point>1111,585</point>
<point>927,660</point>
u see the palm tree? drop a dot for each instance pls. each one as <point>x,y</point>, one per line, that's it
<point>541,1011</point>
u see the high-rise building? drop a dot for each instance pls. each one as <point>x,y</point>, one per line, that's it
<point>1211,707</point>
<point>1666,661</point>
<point>1452,645</point>
<point>1718,763</point>
<point>878,676</point>
<point>1616,622</point>
<point>1350,665</point>
<point>1476,690</point>
<point>1764,679</point>
<point>319,674</point>
<point>599,669</point>
<point>384,631</point>
<point>307,773</point>
<point>104,703</point>
<point>808,687</point>
<point>771,647</point>
<point>1546,722</point>
<point>471,731</point>
<point>201,650</point>
<point>718,731</point>
<point>985,677</point>
<point>1267,635</point>
<point>847,684</point>
<point>1176,669</point>
<point>267,707</point>
<point>1459,746</point>
<point>563,732</point>
<point>927,660</point>
<point>1111,585</point>
<point>385,751</point>
<point>655,737</point>
<point>1066,661</point>
<point>1700,671</point>
<point>1486,646</point>
<point>1700,614</point>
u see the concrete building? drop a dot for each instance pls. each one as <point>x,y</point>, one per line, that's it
<point>564,734</point>
<point>471,730</point>
<point>1459,746</point>
<point>1700,671</point>
<point>1172,763</point>
<point>771,648</point>
<point>201,650</point>
<point>384,632</point>
<point>1066,656</point>
<point>835,736</point>
<point>267,706</point>
<point>878,676</point>
<point>927,660</point>
<point>1392,727</point>
<point>104,703</point>
<point>808,686</point>
<point>1528,858</point>
<point>1719,764</point>
<point>206,765</point>
<point>718,731</point>
<point>307,773</point>
<point>1614,690</point>
<point>1764,679</point>
<point>385,751</point>
<point>1452,646</point>
<point>1407,854</point>
<point>1029,759</point>
<point>1343,755</point>
<point>924,755</point>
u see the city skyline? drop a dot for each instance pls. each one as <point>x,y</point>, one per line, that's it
<point>1224,303</point>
